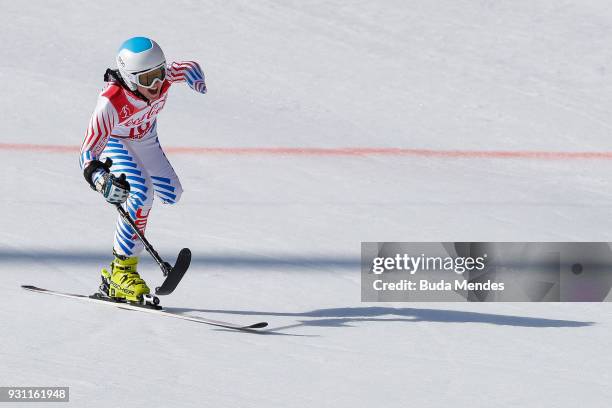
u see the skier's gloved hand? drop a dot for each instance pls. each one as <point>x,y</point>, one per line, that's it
<point>114,189</point>
<point>195,78</point>
<point>199,86</point>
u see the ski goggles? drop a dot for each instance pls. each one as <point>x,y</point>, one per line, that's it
<point>147,79</point>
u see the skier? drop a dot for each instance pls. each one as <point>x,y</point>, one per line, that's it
<point>121,156</point>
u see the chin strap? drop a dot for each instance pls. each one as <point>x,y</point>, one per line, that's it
<point>112,75</point>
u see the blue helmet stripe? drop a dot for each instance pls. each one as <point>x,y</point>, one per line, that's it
<point>137,44</point>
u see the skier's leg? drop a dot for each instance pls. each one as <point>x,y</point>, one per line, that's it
<point>123,280</point>
<point>165,182</point>
<point>126,159</point>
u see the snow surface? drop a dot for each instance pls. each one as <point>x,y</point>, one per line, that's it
<point>277,238</point>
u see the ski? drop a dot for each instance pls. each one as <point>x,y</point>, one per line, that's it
<point>176,273</point>
<point>148,309</point>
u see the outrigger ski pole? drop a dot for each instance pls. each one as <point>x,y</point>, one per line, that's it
<point>173,274</point>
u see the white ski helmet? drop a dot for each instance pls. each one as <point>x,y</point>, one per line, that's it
<point>140,55</point>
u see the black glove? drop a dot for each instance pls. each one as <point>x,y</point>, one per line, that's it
<point>114,189</point>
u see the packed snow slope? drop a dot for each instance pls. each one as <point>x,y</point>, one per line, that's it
<point>276,237</point>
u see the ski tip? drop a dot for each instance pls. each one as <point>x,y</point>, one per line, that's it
<point>259,325</point>
<point>29,287</point>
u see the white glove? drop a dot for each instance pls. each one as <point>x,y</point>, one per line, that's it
<point>114,189</point>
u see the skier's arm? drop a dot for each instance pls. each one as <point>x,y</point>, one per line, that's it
<point>98,175</point>
<point>100,126</point>
<point>187,71</point>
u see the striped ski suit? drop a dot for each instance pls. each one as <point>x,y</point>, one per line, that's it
<point>124,129</point>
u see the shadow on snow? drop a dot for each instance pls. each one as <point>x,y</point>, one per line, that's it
<point>345,316</point>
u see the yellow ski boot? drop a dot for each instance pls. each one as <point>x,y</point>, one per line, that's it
<point>123,281</point>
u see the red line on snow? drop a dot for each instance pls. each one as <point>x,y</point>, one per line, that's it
<point>337,151</point>
<point>38,148</point>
